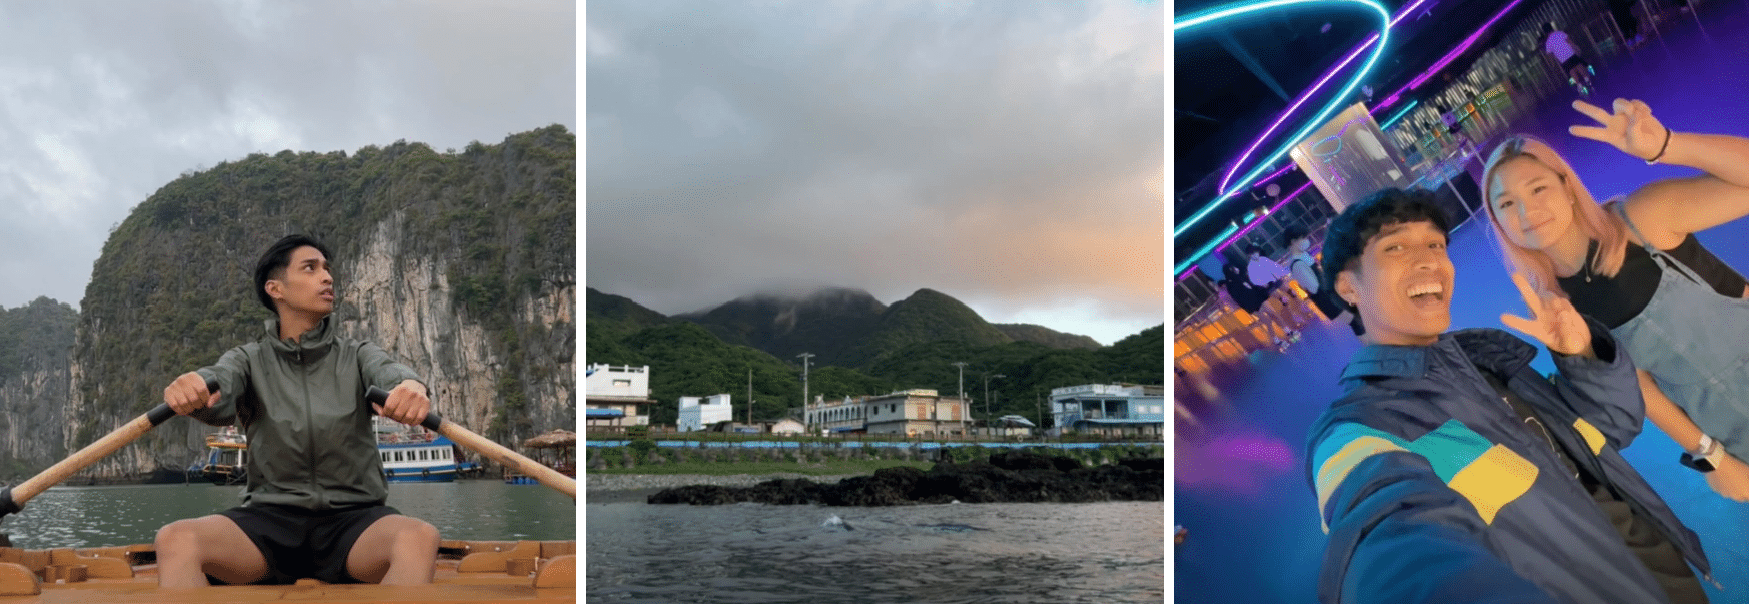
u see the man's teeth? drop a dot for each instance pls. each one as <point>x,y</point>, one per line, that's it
<point>1426,289</point>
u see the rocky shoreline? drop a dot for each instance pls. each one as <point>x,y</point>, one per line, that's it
<point>604,488</point>
<point>1014,476</point>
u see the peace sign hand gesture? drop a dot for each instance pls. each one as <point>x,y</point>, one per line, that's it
<point>1632,128</point>
<point>1555,323</point>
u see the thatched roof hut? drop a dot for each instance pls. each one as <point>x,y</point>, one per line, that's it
<point>556,438</point>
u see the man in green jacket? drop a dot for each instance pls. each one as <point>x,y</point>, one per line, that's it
<point>314,507</point>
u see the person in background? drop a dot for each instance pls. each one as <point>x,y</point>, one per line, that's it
<point>1306,270</point>
<point>1557,44</point>
<point>1271,276</point>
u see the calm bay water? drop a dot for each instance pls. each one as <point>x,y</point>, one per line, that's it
<point>955,553</point>
<point>117,515</point>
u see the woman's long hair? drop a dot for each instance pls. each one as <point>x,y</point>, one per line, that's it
<point>1595,220</point>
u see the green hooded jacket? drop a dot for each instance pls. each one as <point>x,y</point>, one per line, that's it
<point>302,406</point>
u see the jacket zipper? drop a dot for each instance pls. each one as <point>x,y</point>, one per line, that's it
<point>309,431</point>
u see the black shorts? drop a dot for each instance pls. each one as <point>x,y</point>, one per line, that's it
<point>300,543</point>
<point>1572,62</point>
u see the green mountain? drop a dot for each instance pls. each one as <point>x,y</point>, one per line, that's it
<point>925,316</point>
<point>827,323</point>
<point>1047,336</point>
<point>609,319</point>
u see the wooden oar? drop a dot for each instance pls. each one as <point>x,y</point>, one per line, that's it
<point>498,453</point>
<point>12,499</point>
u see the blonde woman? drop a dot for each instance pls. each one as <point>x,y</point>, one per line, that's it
<point>1635,266</point>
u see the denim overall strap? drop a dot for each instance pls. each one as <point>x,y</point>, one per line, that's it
<point>1692,340</point>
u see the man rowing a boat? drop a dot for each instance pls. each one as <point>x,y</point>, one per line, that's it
<point>314,507</point>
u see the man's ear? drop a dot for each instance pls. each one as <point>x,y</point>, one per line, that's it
<point>1346,287</point>
<point>274,290</point>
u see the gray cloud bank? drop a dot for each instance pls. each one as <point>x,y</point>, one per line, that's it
<point>102,102</point>
<point>1009,154</point>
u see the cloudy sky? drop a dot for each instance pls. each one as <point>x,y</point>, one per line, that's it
<point>103,102</point>
<point>1009,154</point>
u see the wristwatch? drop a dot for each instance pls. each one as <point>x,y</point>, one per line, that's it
<point>1706,456</point>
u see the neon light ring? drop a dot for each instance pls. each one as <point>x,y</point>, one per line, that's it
<point>1245,8</point>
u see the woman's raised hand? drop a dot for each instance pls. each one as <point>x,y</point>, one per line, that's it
<point>1553,322</point>
<point>1631,127</point>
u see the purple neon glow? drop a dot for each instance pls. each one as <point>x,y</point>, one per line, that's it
<point>1240,161</point>
<point>1273,176</point>
<point>1248,228</point>
<point>1450,55</point>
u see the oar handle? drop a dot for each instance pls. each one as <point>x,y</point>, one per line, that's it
<point>498,453</point>
<point>12,499</point>
<point>380,397</point>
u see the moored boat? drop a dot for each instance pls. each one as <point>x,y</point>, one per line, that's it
<point>468,571</point>
<point>225,459</point>
<point>409,454</point>
<point>414,454</point>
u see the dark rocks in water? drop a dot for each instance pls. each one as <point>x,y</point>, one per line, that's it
<point>1013,476</point>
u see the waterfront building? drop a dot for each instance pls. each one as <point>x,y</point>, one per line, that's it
<point>913,412</point>
<point>1108,409</point>
<point>615,396</point>
<point>847,416</point>
<point>696,414</point>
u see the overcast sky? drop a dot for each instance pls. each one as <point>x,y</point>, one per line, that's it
<point>103,102</point>
<point>1006,153</point>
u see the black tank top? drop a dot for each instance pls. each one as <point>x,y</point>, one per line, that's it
<point>1615,300</point>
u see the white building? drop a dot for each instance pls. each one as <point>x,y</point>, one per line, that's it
<point>615,396</point>
<point>1109,409</point>
<point>696,415</point>
<point>849,415</point>
<point>787,426</point>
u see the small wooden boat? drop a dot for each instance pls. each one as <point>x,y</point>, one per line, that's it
<point>467,572</point>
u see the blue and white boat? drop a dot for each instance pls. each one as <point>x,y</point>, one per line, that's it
<point>413,454</point>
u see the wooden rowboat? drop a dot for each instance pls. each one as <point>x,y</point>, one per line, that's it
<point>467,572</point>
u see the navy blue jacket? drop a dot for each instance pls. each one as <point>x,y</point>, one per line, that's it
<point>1433,489</point>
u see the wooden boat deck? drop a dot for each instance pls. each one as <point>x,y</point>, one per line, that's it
<point>467,572</point>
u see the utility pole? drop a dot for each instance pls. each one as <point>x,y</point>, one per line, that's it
<point>805,357</point>
<point>962,366</point>
<point>987,394</point>
<point>749,395</point>
<point>1038,407</point>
